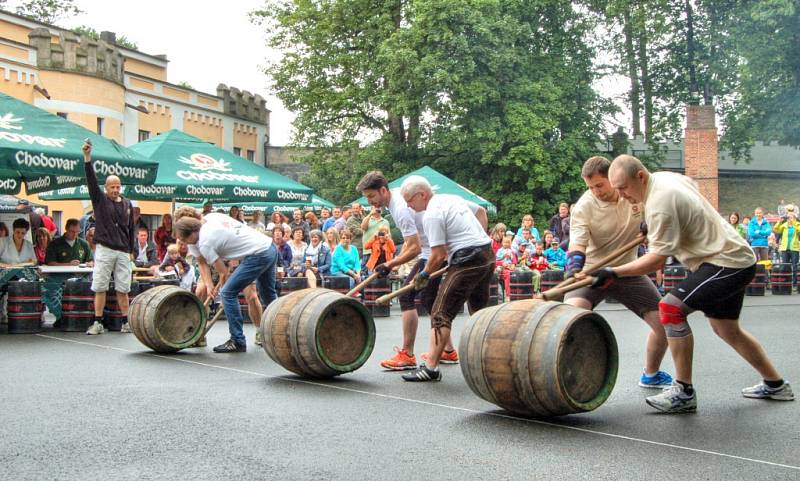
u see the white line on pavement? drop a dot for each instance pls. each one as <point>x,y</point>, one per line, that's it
<point>446,406</point>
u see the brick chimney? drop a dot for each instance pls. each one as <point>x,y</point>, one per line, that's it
<point>700,150</point>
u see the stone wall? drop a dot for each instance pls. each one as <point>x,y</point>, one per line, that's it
<point>243,104</point>
<point>76,54</point>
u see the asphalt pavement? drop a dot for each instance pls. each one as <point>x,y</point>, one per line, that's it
<point>75,407</point>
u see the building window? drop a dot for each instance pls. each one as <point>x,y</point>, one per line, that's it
<point>63,115</point>
<point>237,151</point>
<point>144,135</point>
<point>251,155</point>
<point>100,125</point>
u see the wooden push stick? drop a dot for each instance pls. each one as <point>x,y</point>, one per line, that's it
<point>144,278</point>
<point>213,320</point>
<point>363,284</point>
<point>605,260</point>
<point>557,292</point>
<point>409,287</point>
<point>141,269</point>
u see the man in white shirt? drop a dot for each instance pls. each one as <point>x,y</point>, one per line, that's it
<point>600,222</point>
<point>457,237</point>
<point>375,188</point>
<point>220,238</point>
<point>683,224</point>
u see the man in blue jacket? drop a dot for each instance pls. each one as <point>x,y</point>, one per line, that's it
<point>758,231</point>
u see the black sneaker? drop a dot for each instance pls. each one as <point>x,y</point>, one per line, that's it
<point>231,346</point>
<point>423,374</point>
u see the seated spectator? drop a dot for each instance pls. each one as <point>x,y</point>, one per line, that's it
<point>527,223</point>
<point>312,220</point>
<point>297,245</point>
<point>524,239</point>
<point>3,230</point>
<point>506,261</point>
<point>163,236</point>
<point>497,234</point>
<point>69,249</point>
<point>41,239</point>
<point>526,263</point>
<point>174,265</point>
<point>16,250</point>
<point>331,219</point>
<point>733,220</point>
<point>144,254</point>
<point>381,248</point>
<point>346,260</point>
<point>47,222</point>
<point>318,259</point>
<point>758,231</point>
<point>556,256</point>
<point>332,238</point>
<point>284,253</point>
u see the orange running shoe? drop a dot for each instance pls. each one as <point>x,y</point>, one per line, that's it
<point>400,362</point>
<point>448,357</point>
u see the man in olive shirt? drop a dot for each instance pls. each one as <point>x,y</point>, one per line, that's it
<point>683,224</point>
<point>69,249</point>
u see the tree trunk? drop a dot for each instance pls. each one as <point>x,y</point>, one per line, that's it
<point>412,135</point>
<point>647,85</point>
<point>690,48</point>
<point>630,59</point>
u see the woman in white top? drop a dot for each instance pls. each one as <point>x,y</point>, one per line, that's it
<point>16,249</point>
<point>297,267</point>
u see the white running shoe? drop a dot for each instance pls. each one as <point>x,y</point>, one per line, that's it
<point>674,400</point>
<point>95,329</point>
<point>126,328</point>
<point>762,391</point>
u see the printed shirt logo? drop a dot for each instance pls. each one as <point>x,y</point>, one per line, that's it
<point>7,122</point>
<point>205,162</point>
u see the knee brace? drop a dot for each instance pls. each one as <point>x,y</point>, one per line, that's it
<point>673,319</point>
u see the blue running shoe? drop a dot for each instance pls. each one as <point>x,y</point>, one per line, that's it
<point>659,380</point>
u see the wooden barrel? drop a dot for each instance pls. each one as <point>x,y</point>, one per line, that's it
<point>112,315</point>
<point>77,306</point>
<point>374,290</point>
<point>758,286</point>
<point>538,358</point>
<point>780,279</point>
<point>551,278</point>
<point>291,284</point>
<point>167,318</point>
<point>674,275</point>
<point>521,285</point>
<point>318,333</point>
<point>494,291</point>
<point>339,284</point>
<point>24,307</point>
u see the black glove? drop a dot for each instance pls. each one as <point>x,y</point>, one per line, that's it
<point>604,277</point>
<point>575,261</point>
<point>421,280</point>
<point>382,270</point>
<point>643,228</point>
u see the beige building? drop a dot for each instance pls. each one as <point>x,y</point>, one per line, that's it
<point>122,94</point>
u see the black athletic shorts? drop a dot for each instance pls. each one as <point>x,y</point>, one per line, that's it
<point>717,292</point>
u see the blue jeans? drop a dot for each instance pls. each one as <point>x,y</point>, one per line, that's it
<point>259,267</point>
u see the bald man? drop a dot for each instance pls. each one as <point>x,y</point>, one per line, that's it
<point>683,224</point>
<point>115,236</point>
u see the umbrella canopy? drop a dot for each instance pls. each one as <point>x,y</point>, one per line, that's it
<point>44,151</point>
<point>191,169</point>
<point>441,184</point>
<point>316,204</point>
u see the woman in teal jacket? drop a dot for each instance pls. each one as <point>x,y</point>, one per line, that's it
<point>345,260</point>
<point>758,230</point>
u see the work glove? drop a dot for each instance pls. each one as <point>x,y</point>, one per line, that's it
<point>421,280</point>
<point>382,270</point>
<point>575,261</point>
<point>604,277</point>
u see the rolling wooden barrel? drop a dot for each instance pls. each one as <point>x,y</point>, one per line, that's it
<point>521,285</point>
<point>318,333</point>
<point>780,279</point>
<point>758,286</point>
<point>77,306</point>
<point>167,318</point>
<point>24,307</point>
<point>372,292</point>
<point>538,358</point>
<point>551,278</point>
<point>674,275</point>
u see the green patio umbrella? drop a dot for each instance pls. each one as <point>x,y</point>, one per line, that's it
<point>316,204</point>
<point>191,169</point>
<point>43,151</point>
<point>442,184</point>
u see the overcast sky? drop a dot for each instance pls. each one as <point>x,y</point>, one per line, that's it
<point>211,43</point>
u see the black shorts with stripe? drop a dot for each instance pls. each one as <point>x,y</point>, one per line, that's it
<point>717,292</point>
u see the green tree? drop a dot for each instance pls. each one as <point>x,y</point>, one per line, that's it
<point>48,11</point>
<point>496,94</point>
